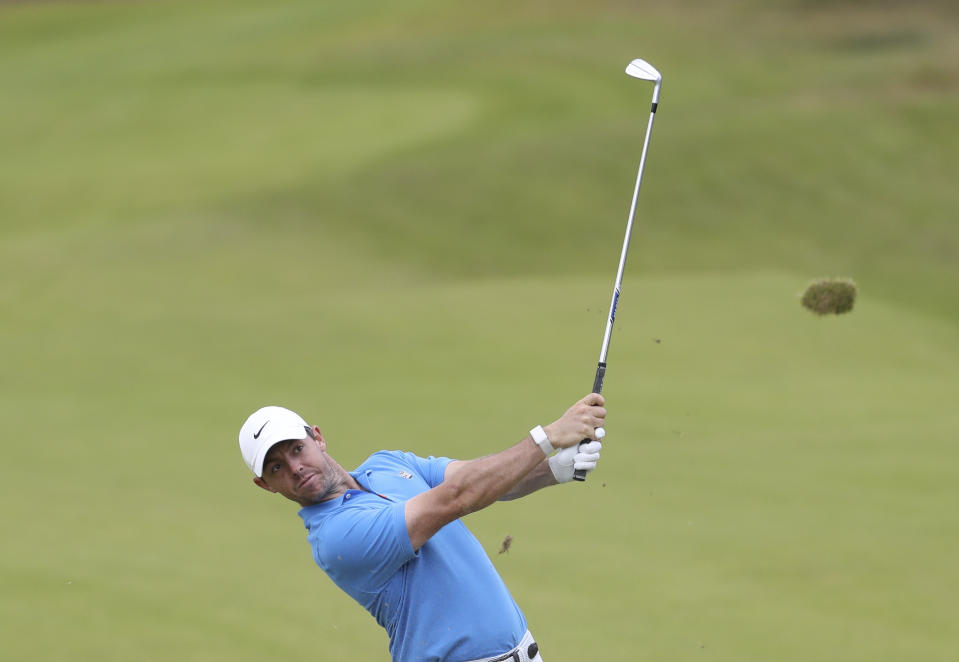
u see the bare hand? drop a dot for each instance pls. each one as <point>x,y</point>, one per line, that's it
<point>578,423</point>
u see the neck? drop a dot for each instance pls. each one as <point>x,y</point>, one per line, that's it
<point>348,482</point>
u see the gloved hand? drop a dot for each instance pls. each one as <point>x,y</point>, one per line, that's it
<point>564,462</point>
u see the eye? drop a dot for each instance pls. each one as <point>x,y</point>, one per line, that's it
<point>274,467</point>
<point>298,448</point>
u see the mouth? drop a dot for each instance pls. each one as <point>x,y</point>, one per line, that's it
<point>305,481</point>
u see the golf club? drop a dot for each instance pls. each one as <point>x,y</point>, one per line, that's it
<point>644,71</point>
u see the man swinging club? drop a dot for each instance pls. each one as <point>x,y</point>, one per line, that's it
<point>389,533</point>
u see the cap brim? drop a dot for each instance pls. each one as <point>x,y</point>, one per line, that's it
<point>269,441</point>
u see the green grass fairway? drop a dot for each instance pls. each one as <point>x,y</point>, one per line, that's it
<point>403,220</point>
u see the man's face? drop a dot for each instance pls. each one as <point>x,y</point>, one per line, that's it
<point>301,471</point>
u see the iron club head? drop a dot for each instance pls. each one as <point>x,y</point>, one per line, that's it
<point>644,70</point>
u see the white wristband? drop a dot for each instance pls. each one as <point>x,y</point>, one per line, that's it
<point>539,436</point>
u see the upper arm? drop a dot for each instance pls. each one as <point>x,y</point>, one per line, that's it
<point>428,512</point>
<point>453,468</point>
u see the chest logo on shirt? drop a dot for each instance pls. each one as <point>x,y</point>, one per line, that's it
<point>405,474</point>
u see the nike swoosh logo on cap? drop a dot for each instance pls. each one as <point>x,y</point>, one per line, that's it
<point>257,435</point>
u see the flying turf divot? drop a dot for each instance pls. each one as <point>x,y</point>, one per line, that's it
<point>830,296</point>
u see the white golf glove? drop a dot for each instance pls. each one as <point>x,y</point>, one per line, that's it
<point>567,460</point>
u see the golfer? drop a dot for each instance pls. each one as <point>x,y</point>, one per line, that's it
<point>389,533</point>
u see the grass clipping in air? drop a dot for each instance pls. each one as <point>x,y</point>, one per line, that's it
<point>830,296</point>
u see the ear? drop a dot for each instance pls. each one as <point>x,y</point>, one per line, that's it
<point>318,435</point>
<point>262,484</point>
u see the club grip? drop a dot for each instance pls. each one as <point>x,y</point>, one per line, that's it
<point>580,474</point>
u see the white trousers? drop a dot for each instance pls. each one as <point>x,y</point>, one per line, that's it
<point>520,653</point>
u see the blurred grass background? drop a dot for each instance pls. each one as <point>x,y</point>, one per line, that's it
<point>403,220</point>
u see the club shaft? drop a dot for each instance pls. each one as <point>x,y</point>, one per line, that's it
<point>617,287</point>
<point>600,376</point>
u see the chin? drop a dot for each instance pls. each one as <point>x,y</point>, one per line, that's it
<point>321,494</point>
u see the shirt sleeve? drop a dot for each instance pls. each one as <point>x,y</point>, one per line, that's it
<point>365,546</point>
<point>431,469</point>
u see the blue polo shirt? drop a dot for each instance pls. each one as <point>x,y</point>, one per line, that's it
<point>444,602</point>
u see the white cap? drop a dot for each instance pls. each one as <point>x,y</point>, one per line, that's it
<point>266,427</point>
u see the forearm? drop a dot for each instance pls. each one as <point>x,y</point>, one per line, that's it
<point>541,476</point>
<point>505,475</point>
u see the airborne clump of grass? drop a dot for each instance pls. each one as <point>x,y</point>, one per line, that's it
<point>830,296</point>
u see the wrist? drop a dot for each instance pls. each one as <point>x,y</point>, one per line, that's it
<point>541,438</point>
